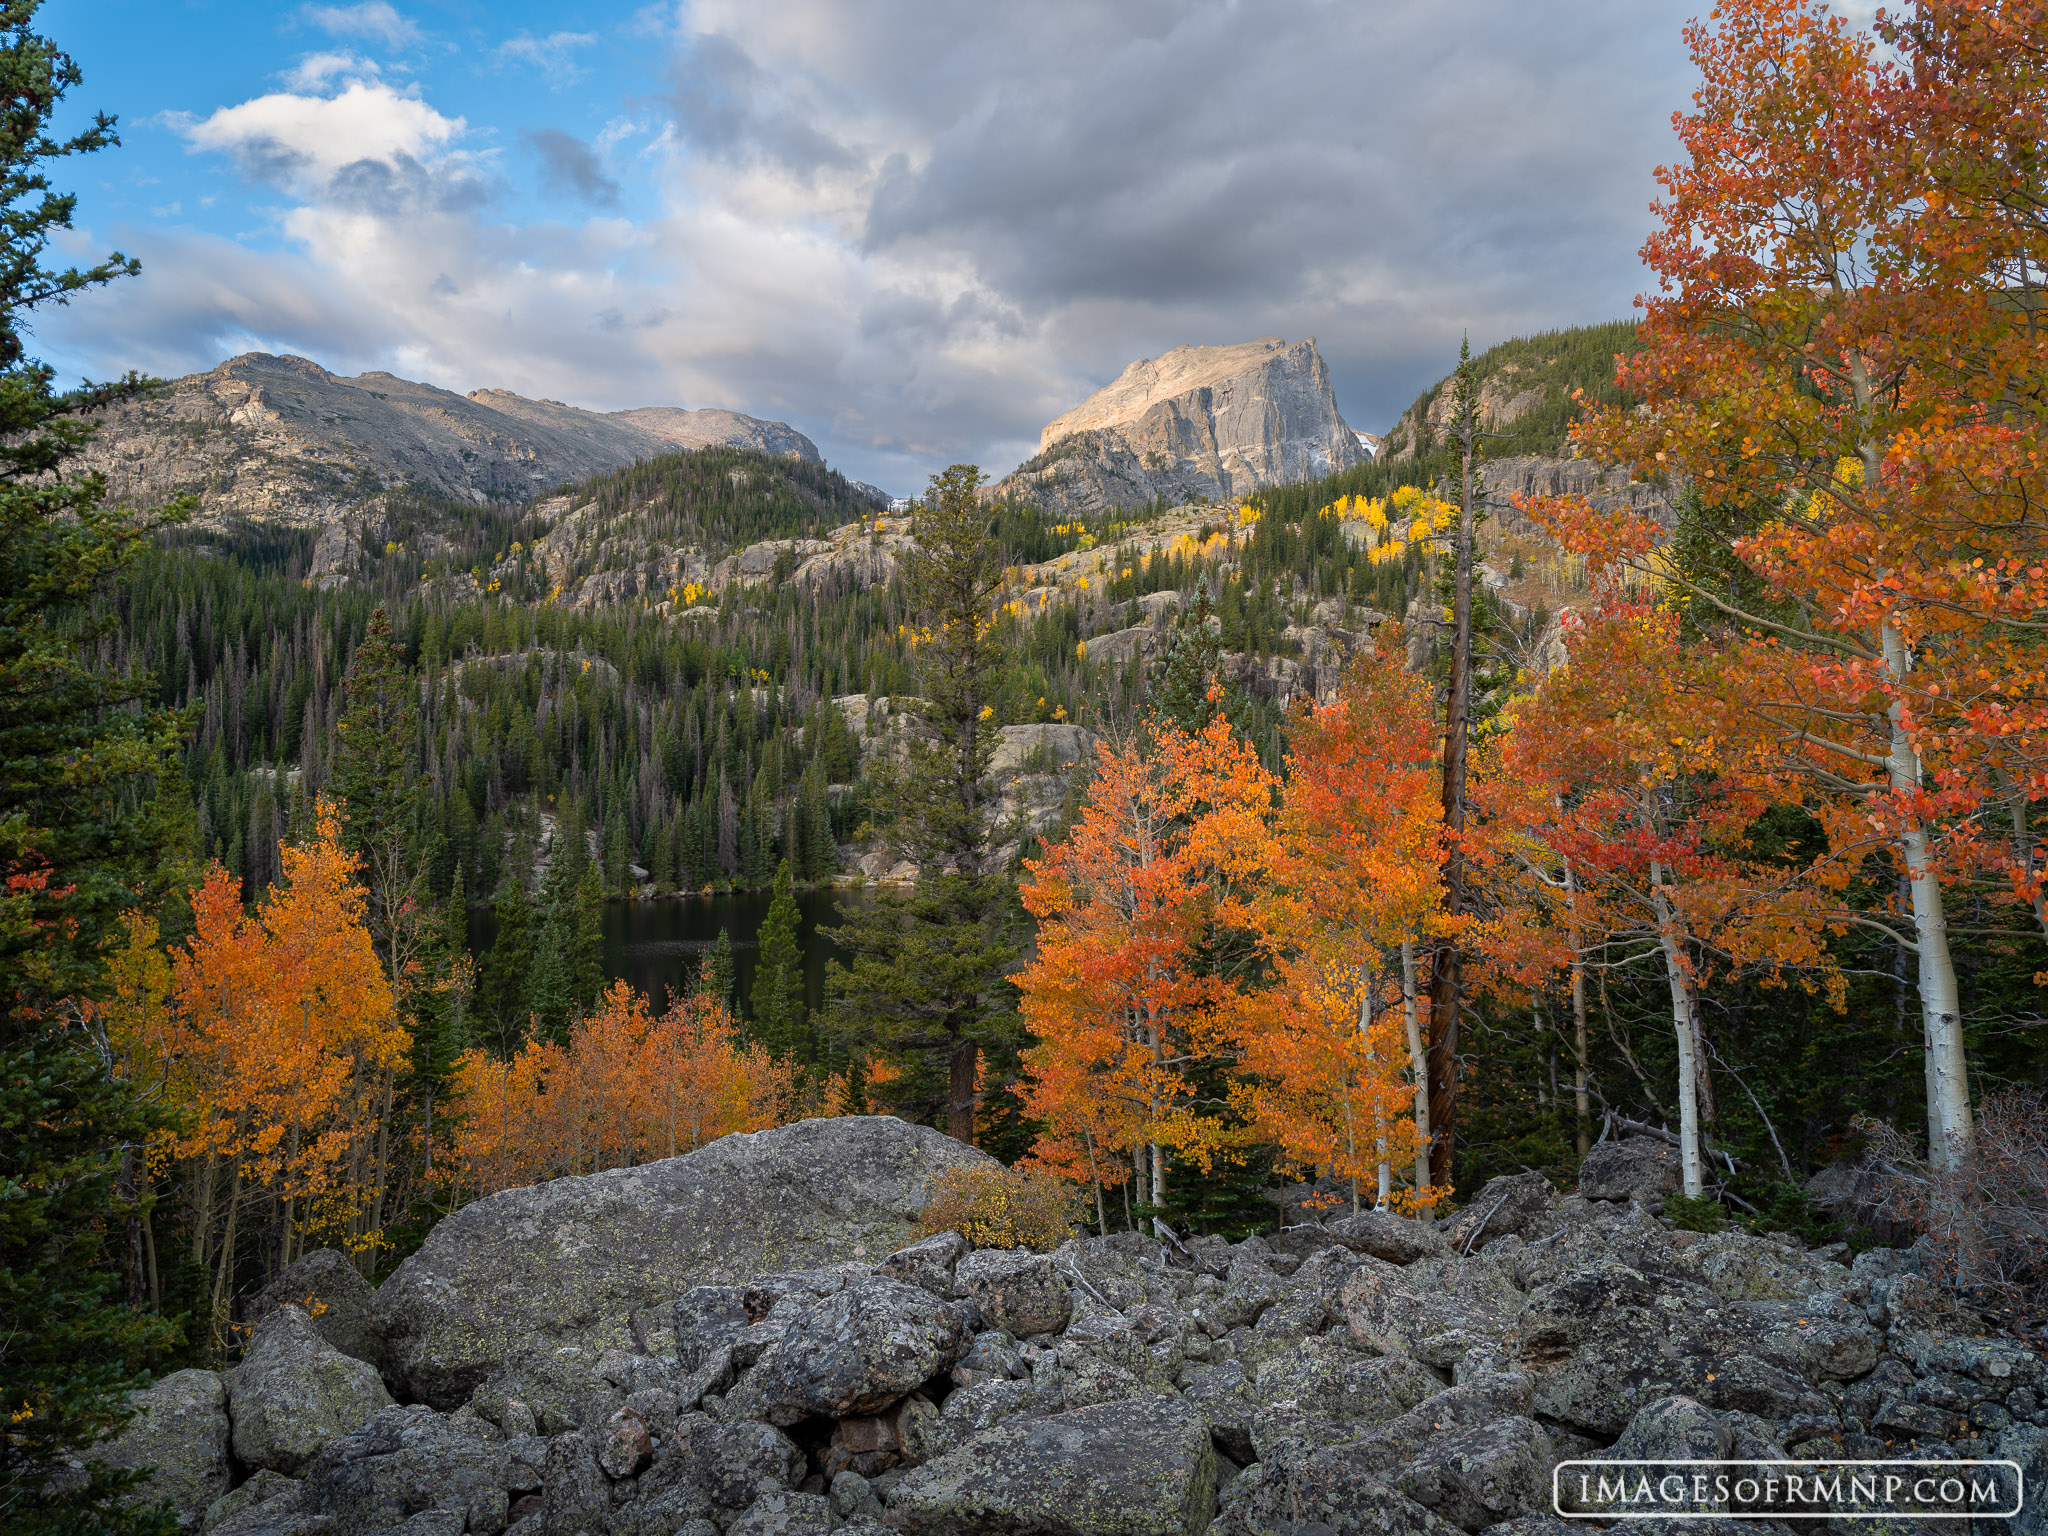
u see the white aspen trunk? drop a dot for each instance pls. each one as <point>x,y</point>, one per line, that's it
<point>1158,1044</point>
<point>1581,1077</point>
<point>1682,1026</point>
<point>1095,1179</point>
<point>1351,1147</point>
<point>1418,1070</point>
<point>1950,1134</point>
<point>2023,851</point>
<point>1379,1118</point>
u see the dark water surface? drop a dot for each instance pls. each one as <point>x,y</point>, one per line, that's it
<point>657,945</point>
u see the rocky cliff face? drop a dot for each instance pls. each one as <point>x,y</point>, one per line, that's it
<point>282,440</point>
<point>1212,422</point>
<point>1610,490</point>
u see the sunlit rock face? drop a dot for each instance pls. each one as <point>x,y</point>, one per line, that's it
<point>1212,422</point>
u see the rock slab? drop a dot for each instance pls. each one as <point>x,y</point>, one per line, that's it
<point>853,1354</point>
<point>334,1294</point>
<point>1138,1468</point>
<point>576,1258</point>
<point>294,1392</point>
<point>180,1434</point>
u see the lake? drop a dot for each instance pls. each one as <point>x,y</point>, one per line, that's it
<point>657,945</point>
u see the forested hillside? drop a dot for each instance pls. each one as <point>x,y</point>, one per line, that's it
<point>1531,390</point>
<point>675,677</point>
<point>674,722</point>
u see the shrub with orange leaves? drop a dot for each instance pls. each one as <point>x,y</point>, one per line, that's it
<point>627,1086</point>
<point>997,1207</point>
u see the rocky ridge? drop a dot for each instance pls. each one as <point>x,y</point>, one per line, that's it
<point>592,560</point>
<point>1364,1376</point>
<point>1207,422</point>
<point>282,440</point>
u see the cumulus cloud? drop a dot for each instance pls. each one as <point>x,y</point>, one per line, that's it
<point>568,164</point>
<point>301,142</point>
<point>919,237</point>
<point>373,20</point>
<point>316,71</point>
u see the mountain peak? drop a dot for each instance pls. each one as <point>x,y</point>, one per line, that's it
<point>281,439</point>
<point>1215,421</point>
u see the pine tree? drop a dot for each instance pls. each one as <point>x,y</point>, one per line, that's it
<point>505,969</point>
<point>715,972</point>
<point>79,841</point>
<point>375,776</point>
<point>584,950</point>
<point>821,852</point>
<point>1446,986</point>
<point>1189,690</point>
<point>549,994</point>
<point>928,981</point>
<point>795,852</point>
<point>778,995</point>
<point>615,871</point>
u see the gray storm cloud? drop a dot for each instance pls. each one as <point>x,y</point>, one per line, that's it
<point>918,231</point>
<point>568,164</point>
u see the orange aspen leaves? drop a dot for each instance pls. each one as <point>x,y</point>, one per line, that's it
<point>1167,846</point>
<point>1354,863</point>
<point>278,1035</point>
<point>628,1086</point>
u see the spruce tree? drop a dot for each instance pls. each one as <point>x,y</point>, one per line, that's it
<point>715,971</point>
<point>378,784</point>
<point>928,982</point>
<point>821,852</point>
<point>440,1015</point>
<point>778,993</point>
<point>1189,689</point>
<point>584,949</point>
<point>550,995</point>
<point>1446,985</point>
<point>616,873</point>
<point>81,841</point>
<point>505,968</point>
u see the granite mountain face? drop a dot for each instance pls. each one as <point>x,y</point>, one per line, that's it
<point>1214,422</point>
<point>281,440</point>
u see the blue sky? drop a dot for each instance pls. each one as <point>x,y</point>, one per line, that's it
<point>916,230</point>
<point>513,72</point>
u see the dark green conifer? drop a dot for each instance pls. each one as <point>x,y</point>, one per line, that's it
<point>780,1020</point>
<point>511,958</point>
<point>584,950</point>
<point>814,810</point>
<point>928,982</point>
<point>616,874</point>
<point>1193,671</point>
<point>378,785</point>
<point>81,841</point>
<point>715,973</point>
